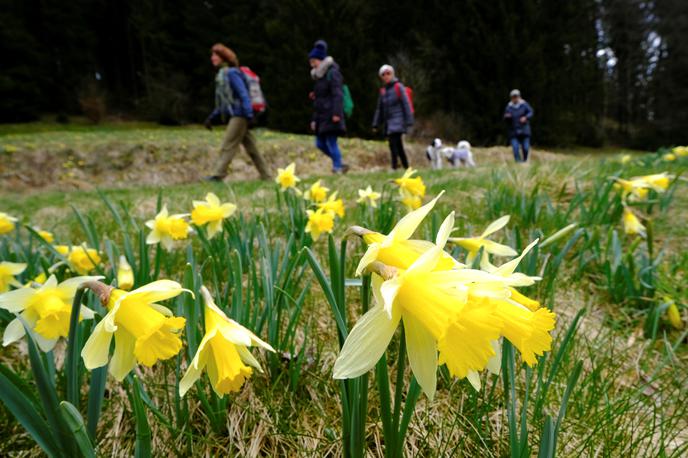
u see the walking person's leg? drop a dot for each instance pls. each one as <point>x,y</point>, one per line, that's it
<point>515,145</point>
<point>393,150</point>
<point>321,144</point>
<point>402,153</point>
<point>526,148</point>
<point>249,143</point>
<point>335,153</point>
<point>234,134</point>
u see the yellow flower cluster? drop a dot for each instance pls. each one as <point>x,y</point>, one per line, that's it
<point>411,189</point>
<point>81,259</point>
<point>452,314</point>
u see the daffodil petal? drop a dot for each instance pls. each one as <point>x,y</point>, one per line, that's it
<point>388,292</point>
<point>494,364</point>
<point>97,348</point>
<point>409,223</point>
<point>365,344</point>
<point>495,225</point>
<point>498,249</point>
<point>13,332</point>
<point>248,358</point>
<point>193,372</point>
<point>509,267</point>
<point>474,378</point>
<point>16,300</point>
<point>123,359</point>
<point>445,230</point>
<point>156,291</point>
<point>421,348</point>
<point>369,257</point>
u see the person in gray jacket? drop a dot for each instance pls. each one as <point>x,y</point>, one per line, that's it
<point>394,112</point>
<point>517,115</point>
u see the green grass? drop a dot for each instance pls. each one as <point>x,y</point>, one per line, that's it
<point>629,399</point>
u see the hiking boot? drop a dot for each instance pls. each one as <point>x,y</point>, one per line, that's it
<point>214,178</point>
<point>342,170</point>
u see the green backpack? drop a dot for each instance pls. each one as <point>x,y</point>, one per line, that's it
<point>347,100</point>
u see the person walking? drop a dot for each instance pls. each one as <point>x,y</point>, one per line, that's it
<point>394,113</point>
<point>232,102</point>
<point>328,107</point>
<point>517,115</point>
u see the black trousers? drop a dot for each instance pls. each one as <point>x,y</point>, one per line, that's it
<point>396,147</point>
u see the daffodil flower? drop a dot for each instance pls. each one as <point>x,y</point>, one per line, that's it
<point>474,244</point>
<point>143,330</point>
<point>319,222</point>
<point>659,182</point>
<point>411,202</point>
<point>626,158</point>
<point>414,186</point>
<point>316,193</point>
<point>166,228</point>
<point>223,352</point>
<point>46,310</point>
<point>286,177</point>
<point>669,157</point>
<point>673,314</point>
<point>6,223</point>
<point>333,205</point>
<point>396,249</point>
<point>631,223</point>
<point>680,150</point>
<point>7,272</point>
<point>368,196</point>
<point>211,212</point>
<point>125,274</point>
<point>81,259</point>
<point>45,235</point>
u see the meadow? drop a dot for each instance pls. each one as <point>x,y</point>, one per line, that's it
<point>609,257</point>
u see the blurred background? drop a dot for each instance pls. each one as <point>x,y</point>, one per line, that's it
<point>595,71</point>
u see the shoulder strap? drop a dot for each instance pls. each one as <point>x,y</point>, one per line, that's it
<point>397,88</point>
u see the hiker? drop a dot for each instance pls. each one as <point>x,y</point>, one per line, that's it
<point>395,112</point>
<point>517,114</point>
<point>232,102</point>
<point>328,99</point>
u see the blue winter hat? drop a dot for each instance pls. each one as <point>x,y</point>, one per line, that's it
<point>319,50</point>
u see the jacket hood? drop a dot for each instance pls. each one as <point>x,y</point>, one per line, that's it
<point>321,70</point>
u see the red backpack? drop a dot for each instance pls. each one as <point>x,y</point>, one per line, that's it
<point>409,94</point>
<point>255,92</point>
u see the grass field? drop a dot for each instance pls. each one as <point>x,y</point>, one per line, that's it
<point>616,364</point>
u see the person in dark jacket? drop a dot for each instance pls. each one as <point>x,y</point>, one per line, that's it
<point>232,102</point>
<point>328,97</point>
<point>394,112</point>
<point>517,114</point>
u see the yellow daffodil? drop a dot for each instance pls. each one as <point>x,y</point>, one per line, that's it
<point>125,275</point>
<point>659,182</point>
<point>45,235</point>
<point>411,202</point>
<point>286,177</point>
<point>7,272</point>
<point>211,212</point>
<point>319,222</point>
<point>223,352</point>
<point>631,223</point>
<point>6,223</point>
<point>38,279</point>
<point>396,249</point>
<point>636,189</point>
<point>333,205</point>
<point>474,244</point>
<point>81,259</point>
<point>46,310</point>
<point>408,184</point>
<point>144,331</point>
<point>669,157</point>
<point>673,314</point>
<point>626,158</point>
<point>316,193</point>
<point>451,317</point>
<point>368,196</point>
<point>166,228</point>
<point>680,151</point>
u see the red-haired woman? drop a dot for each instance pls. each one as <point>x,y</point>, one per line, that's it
<point>232,101</point>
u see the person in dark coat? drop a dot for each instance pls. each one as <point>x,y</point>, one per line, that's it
<point>394,112</point>
<point>517,114</point>
<point>328,111</point>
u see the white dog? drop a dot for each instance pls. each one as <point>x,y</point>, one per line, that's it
<point>461,155</point>
<point>434,154</point>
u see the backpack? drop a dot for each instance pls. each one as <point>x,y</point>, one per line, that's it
<point>409,94</point>
<point>347,100</point>
<point>255,92</point>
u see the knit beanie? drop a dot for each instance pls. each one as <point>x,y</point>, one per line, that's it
<point>319,50</point>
